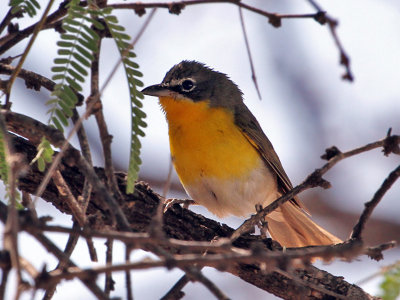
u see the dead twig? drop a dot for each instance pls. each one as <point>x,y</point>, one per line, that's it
<point>370,205</point>
<point>70,246</point>
<point>323,18</point>
<point>87,187</point>
<point>176,7</point>
<point>105,136</point>
<point>176,290</point>
<point>109,282</point>
<point>128,279</point>
<point>66,194</point>
<point>253,72</point>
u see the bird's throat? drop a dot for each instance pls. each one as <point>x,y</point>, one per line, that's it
<point>205,142</point>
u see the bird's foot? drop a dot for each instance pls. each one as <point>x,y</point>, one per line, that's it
<point>170,202</point>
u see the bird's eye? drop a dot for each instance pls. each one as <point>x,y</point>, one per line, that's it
<point>187,85</point>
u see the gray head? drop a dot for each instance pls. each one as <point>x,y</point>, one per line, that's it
<point>193,80</point>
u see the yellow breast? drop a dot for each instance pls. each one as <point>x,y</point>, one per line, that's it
<point>206,143</point>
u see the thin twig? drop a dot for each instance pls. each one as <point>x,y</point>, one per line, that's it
<point>332,23</point>
<point>7,19</point>
<point>274,19</point>
<point>5,271</point>
<point>176,290</point>
<point>60,154</point>
<point>87,187</point>
<point>128,279</point>
<point>28,203</point>
<point>109,282</point>
<point>144,238</point>
<point>69,198</point>
<point>105,136</point>
<point>32,80</point>
<point>253,72</point>
<point>62,264</point>
<point>143,27</point>
<point>369,206</point>
<point>82,137</point>
<point>125,52</point>
<point>177,6</point>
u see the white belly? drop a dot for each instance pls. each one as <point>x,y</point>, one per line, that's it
<point>236,196</point>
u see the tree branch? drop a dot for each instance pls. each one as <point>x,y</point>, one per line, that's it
<point>185,225</point>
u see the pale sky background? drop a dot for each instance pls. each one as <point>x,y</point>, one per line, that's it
<point>305,108</point>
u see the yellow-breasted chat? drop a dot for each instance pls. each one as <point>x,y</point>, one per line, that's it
<point>223,159</point>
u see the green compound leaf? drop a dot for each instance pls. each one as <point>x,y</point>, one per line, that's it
<point>120,37</point>
<point>75,55</point>
<point>25,6</point>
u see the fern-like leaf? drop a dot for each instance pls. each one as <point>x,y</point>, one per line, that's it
<point>75,55</point>
<point>132,73</point>
<point>28,6</point>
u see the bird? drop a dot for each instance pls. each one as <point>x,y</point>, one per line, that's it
<point>223,158</point>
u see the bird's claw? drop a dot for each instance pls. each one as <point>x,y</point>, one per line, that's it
<point>168,203</point>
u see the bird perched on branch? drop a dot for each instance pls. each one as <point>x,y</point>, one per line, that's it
<point>223,158</point>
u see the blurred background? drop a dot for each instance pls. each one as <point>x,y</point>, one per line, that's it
<point>305,108</point>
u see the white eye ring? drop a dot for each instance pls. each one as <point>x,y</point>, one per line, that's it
<point>188,85</point>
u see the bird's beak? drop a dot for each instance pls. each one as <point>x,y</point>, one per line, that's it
<point>158,90</point>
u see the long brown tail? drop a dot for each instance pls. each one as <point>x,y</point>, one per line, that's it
<point>291,227</point>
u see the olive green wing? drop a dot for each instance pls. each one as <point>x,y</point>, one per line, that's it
<point>251,129</point>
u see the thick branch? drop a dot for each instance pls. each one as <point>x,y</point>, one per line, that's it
<point>184,225</point>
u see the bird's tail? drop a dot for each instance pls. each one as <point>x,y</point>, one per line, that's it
<point>291,227</point>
